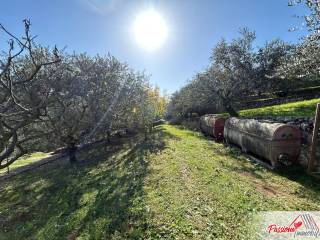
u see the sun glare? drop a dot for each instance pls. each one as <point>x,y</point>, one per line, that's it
<point>150,30</point>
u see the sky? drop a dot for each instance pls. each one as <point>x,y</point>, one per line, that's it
<point>194,27</point>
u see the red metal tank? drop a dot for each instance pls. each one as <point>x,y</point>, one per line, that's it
<point>279,143</point>
<point>212,125</point>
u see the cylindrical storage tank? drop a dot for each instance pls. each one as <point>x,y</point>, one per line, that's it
<point>276,142</point>
<point>212,125</point>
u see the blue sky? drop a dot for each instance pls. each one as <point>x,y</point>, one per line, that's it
<point>102,26</point>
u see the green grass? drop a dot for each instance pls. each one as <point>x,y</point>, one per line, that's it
<point>176,185</point>
<point>25,160</point>
<point>299,109</point>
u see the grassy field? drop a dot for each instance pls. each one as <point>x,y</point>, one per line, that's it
<point>176,185</point>
<point>300,109</point>
<point>25,160</point>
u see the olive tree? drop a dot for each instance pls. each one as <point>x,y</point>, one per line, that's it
<point>301,66</point>
<point>95,97</point>
<point>312,19</point>
<point>236,71</point>
<point>267,61</point>
<point>50,99</point>
<point>231,73</point>
<point>23,94</point>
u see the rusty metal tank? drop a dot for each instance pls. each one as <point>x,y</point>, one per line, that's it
<point>212,125</point>
<point>276,142</point>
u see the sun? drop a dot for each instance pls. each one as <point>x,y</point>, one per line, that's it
<point>150,30</point>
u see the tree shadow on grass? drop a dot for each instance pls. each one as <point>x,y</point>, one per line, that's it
<point>102,197</point>
<point>309,186</point>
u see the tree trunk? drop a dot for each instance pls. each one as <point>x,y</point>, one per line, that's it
<point>146,134</point>
<point>72,153</point>
<point>227,106</point>
<point>108,136</point>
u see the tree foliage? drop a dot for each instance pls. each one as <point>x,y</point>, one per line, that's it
<point>23,94</point>
<point>313,18</point>
<point>236,70</point>
<point>50,99</point>
<point>303,62</point>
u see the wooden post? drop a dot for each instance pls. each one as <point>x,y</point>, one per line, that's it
<point>312,160</point>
